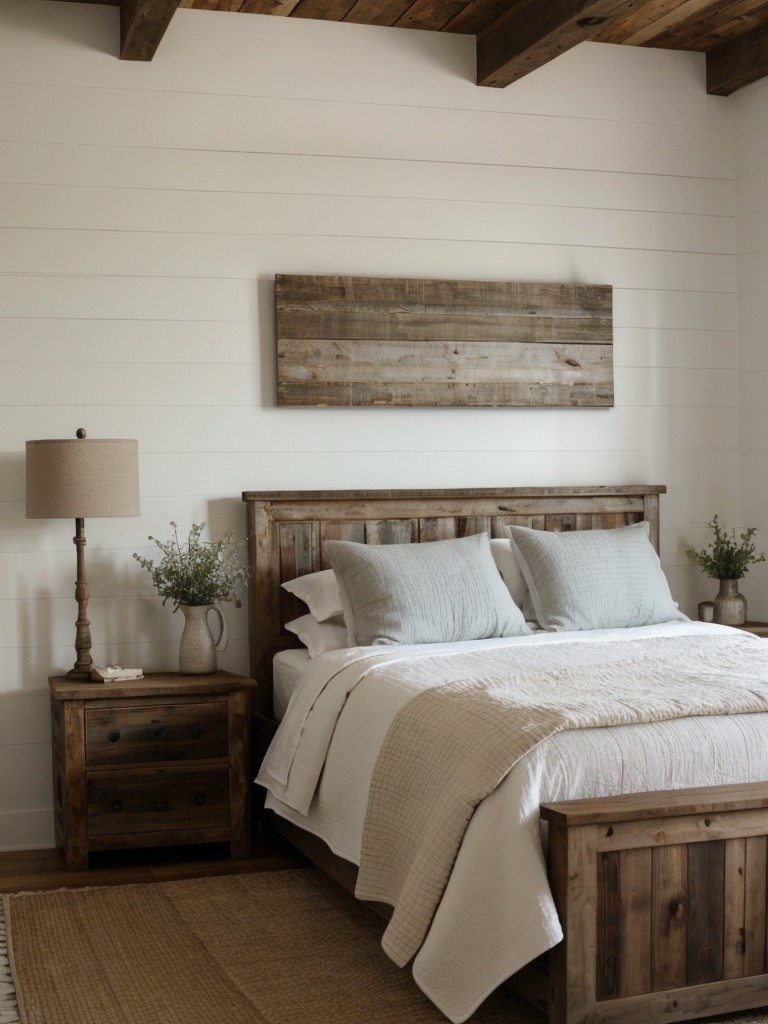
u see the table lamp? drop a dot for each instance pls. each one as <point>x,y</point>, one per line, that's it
<point>79,479</point>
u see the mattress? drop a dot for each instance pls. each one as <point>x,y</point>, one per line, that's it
<point>287,667</point>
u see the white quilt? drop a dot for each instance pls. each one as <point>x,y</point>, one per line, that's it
<point>497,912</point>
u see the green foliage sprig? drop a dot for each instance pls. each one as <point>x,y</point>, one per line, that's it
<point>726,557</point>
<point>197,572</point>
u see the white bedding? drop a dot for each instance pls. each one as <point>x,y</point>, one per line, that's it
<point>287,669</point>
<point>497,912</point>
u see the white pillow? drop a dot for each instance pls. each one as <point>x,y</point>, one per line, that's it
<point>594,579</point>
<point>319,591</point>
<point>319,637</point>
<point>509,567</point>
<point>436,592</point>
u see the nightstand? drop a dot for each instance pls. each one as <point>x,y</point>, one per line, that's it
<point>158,761</point>
<point>758,628</point>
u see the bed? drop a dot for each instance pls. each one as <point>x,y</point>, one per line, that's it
<point>661,896</point>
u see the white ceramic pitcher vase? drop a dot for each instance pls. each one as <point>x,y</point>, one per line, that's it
<point>197,647</point>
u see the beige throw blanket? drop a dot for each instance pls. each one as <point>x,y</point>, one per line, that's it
<point>450,747</point>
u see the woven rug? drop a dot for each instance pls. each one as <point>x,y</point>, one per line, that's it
<point>282,947</point>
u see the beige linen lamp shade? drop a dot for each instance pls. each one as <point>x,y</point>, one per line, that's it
<point>82,478</point>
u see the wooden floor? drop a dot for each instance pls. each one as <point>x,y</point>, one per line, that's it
<point>44,869</point>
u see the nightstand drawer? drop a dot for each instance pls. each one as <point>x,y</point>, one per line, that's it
<point>157,800</point>
<point>163,732</point>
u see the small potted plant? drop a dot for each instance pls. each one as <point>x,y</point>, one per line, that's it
<point>727,558</point>
<point>196,575</point>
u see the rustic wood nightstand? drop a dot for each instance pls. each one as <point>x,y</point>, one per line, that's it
<point>758,628</point>
<point>158,761</point>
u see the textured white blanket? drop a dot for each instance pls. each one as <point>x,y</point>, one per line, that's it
<point>450,746</point>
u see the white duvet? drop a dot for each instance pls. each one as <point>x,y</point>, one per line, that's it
<point>497,912</point>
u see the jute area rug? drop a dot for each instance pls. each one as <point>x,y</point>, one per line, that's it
<point>283,947</point>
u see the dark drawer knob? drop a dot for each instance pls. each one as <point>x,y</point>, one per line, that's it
<point>113,735</point>
<point>198,732</point>
<point>158,732</point>
<point>200,799</point>
<point>161,805</point>
<point>117,805</point>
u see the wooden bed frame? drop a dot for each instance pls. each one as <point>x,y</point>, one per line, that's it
<point>662,896</point>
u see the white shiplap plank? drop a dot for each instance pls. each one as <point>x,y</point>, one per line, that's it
<point>753,389</point>
<point>227,474</point>
<point>754,439</point>
<point>748,111</point>
<point>751,190</point>
<point>752,267</point>
<point>659,347</point>
<point>751,150</point>
<point>41,207</point>
<point>137,615</point>
<point>753,309</point>
<point>685,510</point>
<point>121,298</point>
<point>130,384</point>
<point>685,421</point>
<point>754,348</point>
<point>37,779</point>
<point>25,717</point>
<point>708,310</point>
<point>704,388</point>
<point>127,119</point>
<point>752,231</point>
<point>41,339</point>
<point>224,172</point>
<point>166,258</point>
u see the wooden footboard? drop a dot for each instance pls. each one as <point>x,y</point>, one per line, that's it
<point>662,897</point>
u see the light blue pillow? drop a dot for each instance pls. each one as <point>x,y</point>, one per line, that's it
<point>437,592</point>
<point>594,579</point>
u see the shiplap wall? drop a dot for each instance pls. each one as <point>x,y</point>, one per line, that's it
<point>751,162</point>
<point>145,209</point>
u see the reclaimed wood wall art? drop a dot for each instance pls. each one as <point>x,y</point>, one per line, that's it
<point>371,341</point>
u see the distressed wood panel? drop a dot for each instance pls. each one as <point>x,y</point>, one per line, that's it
<point>670,912</point>
<point>745,907</point>
<point>298,546</point>
<point>624,913</point>
<point>346,341</point>
<point>706,874</point>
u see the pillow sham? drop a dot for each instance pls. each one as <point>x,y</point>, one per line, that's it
<point>319,637</point>
<point>319,591</point>
<point>594,579</point>
<point>436,592</point>
<point>509,567</point>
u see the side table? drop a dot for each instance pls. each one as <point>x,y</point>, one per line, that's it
<point>758,628</point>
<point>159,761</point>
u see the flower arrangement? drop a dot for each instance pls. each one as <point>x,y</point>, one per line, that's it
<point>197,572</point>
<point>726,557</point>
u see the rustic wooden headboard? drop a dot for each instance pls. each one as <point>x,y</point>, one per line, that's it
<point>287,531</point>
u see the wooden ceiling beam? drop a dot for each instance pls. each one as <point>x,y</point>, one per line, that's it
<point>533,33</point>
<point>737,63</point>
<point>142,26</point>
